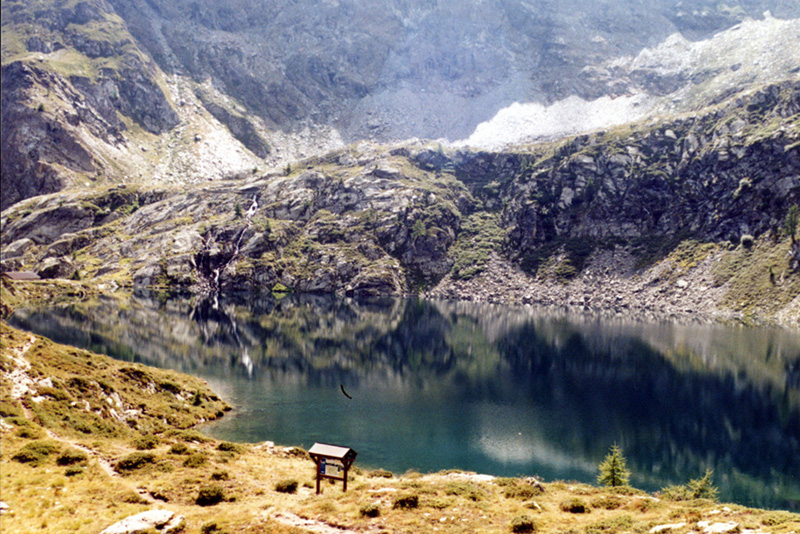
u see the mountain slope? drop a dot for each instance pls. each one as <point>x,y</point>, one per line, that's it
<point>662,198</point>
<point>157,91</point>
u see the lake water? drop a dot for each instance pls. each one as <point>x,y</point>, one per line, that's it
<point>492,389</point>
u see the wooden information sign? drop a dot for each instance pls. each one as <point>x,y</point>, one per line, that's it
<point>332,462</point>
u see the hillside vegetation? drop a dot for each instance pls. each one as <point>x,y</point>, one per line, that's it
<point>88,441</point>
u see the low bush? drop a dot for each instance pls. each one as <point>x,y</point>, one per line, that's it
<point>773,519</point>
<point>618,523</point>
<point>467,490</point>
<point>380,473</point>
<point>30,432</point>
<point>522,491</point>
<point>195,460</point>
<point>406,502</point>
<point>73,470</point>
<point>607,502</point>
<point>220,475</point>
<point>369,510</point>
<point>35,452</point>
<point>135,460</point>
<point>179,448</point>
<point>227,446</point>
<point>211,528</point>
<point>72,456</point>
<point>146,443</point>
<point>286,486</point>
<point>210,496</point>
<point>575,506</point>
<point>523,523</point>
<point>8,409</point>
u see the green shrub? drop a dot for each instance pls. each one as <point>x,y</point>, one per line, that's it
<point>54,393</point>
<point>73,470</point>
<point>220,475</point>
<point>35,452</point>
<point>575,506</point>
<point>369,510</point>
<point>523,523</point>
<point>210,496</point>
<point>146,443</point>
<point>179,448</point>
<point>195,460</point>
<point>791,221</point>
<point>286,486</point>
<point>30,432</point>
<point>229,447</point>
<point>467,490</point>
<point>380,473</point>
<point>777,518</point>
<point>703,488</point>
<point>607,502</point>
<point>406,502</point>
<point>172,387</point>
<point>72,456</point>
<point>8,409</point>
<point>617,523</point>
<point>699,488</point>
<point>211,528</point>
<point>521,490</point>
<point>135,460</point>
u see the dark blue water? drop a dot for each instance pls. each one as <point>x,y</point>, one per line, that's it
<point>492,389</point>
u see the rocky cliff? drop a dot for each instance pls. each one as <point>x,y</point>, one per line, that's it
<point>682,216</point>
<point>103,92</point>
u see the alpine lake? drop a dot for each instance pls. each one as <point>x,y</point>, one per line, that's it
<point>502,390</point>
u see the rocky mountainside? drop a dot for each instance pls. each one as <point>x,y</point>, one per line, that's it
<point>99,92</point>
<point>204,148</point>
<point>683,215</point>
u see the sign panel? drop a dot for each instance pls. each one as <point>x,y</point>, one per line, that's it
<point>333,468</point>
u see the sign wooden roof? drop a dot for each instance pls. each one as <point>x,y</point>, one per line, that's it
<point>331,451</point>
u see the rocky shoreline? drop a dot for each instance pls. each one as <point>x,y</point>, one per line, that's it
<point>611,285</point>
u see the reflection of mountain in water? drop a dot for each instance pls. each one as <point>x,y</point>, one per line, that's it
<point>523,389</point>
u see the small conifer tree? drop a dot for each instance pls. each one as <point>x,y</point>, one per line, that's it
<point>702,488</point>
<point>613,471</point>
<point>791,220</point>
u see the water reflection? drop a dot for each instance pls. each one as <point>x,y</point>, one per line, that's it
<point>493,389</point>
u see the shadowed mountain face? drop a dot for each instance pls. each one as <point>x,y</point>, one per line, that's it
<point>167,91</point>
<point>390,69</point>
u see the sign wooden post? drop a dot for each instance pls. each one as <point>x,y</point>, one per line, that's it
<point>332,462</point>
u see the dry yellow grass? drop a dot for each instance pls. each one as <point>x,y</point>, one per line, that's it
<point>51,494</point>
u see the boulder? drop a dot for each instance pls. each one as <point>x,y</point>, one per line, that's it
<point>164,521</point>
<point>17,248</point>
<point>56,268</point>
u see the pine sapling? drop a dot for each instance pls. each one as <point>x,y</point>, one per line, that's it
<point>613,471</point>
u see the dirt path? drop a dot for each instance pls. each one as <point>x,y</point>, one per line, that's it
<point>22,383</point>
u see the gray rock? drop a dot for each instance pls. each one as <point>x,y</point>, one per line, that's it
<point>164,521</point>
<point>17,248</point>
<point>56,268</point>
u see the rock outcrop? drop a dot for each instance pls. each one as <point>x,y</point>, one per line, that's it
<point>617,205</point>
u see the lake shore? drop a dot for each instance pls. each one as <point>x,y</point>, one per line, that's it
<point>65,487</point>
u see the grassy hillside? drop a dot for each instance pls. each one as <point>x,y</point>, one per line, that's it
<point>88,441</point>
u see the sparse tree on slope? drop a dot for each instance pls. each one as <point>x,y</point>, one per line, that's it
<point>791,220</point>
<point>613,471</point>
